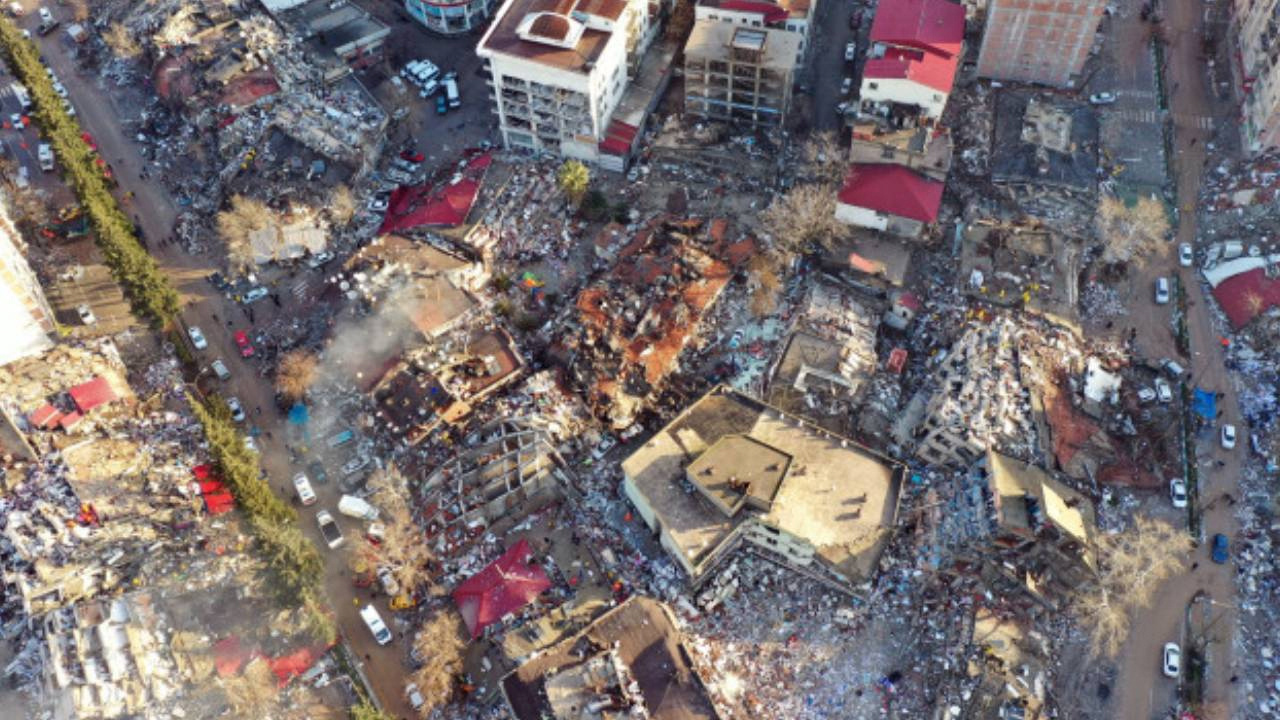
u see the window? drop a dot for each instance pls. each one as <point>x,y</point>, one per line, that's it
<point>873,86</point>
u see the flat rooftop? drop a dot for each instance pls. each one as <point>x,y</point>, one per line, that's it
<point>840,497</point>
<point>648,649</point>
<point>739,470</point>
<point>714,39</point>
<point>504,39</point>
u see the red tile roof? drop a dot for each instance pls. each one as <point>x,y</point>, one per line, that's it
<point>90,395</point>
<point>931,69</point>
<point>772,13</point>
<point>506,585</point>
<point>893,190</point>
<point>934,25</point>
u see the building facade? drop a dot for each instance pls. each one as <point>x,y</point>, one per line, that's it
<point>1038,42</point>
<point>1255,26</point>
<point>450,18</point>
<point>26,319</point>
<point>739,75</point>
<point>915,48</point>
<point>559,69</point>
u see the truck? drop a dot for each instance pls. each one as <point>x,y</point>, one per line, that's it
<point>45,154</point>
<point>357,508</point>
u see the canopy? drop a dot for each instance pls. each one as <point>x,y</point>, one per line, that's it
<point>506,585</point>
<point>1205,404</point>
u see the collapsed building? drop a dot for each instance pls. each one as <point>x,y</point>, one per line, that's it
<point>506,469</point>
<point>732,474</point>
<point>629,662</point>
<point>1044,156</point>
<point>632,323</point>
<point>1028,266</point>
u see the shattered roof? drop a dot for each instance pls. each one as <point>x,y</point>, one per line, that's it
<point>1014,480</point>
<point>648,645</point>
<point>504,586</point>
<point>1015,159</point>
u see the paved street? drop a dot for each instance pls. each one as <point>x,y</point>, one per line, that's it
<point>827,67</point>
<point>155,211</point>
<point>1143,692</point>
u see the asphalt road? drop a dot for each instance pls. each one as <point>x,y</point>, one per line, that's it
<point>828,67</point>
<point>155,211</point>
<point>1144,693</point>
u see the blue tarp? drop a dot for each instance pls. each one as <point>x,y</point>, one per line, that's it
<point>298,414</point>
<point>1205,404</point>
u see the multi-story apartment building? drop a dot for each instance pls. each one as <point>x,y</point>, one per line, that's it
<point>1038,42</point>
<point>26,320</point>
<point>915,48</point>
<point>740,75</point>
<point>560,68</point>
<point>1256,27</point>
<point>450,17</point>
<point>794,16</point>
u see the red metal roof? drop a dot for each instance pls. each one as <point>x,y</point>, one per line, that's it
<point>931,69</point>
<point>444,204</point>
<point>1247,294</point>
<point>893,190</point>
<point>506,585</point>
<point>45,417</point>
<point>934,25</point>
<point>772,13</point>
<point>90,395</point>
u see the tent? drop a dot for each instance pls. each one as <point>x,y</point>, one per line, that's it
<point>506,585</point>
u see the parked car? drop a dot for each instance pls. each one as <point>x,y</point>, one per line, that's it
<point>315,469</point>
<point>45,15</point>
<point>1162,291</point>
<point>374,621</point>
<point>220,369</point>
<point>355,507</point>
<point>16,121</point>
<point>354,464</point>
<point>303,486</point>
<point>1171,661</point>
<point>329,529</point>
<point>1102,98</point>
<point>1174,370</point>
<point>387,580</point>
<point>442,105</point>
<point>250,443</point>
<point>850,51</point>
<point>254,295</point>
<point>86,314</point>
<point>218,282</point>
<point>1228,436</point>
<point>237,410</point>
<point>60,89</point>
<point>416,701</point>
<point>319,259</point>
<point>1146,395</point>
<point>1163,392</point>
<point>1178,493</point>
<point>378,203</point>
<point>1185,255</point>
<point>1221,550</point>
<point>846,86</point>
<point>242,341</point>
<point>197,338</point>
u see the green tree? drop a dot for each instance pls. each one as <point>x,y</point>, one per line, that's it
<point>366,711</point>
<point>573,179</point>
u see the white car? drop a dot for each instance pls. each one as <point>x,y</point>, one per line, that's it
<point>329,529</point>
<point>388,581</point>
<point>303,486</point>
<point>1163,391</point>
<point>86,315</point>
<point>45,15</point>
<point>1146,395</point>
<point>60,89</point>
<point>1172,660</point>
<point>1185,255</point>
<point>850,50</point>
<point>219,368</point>
<point>197,337</point>
<point>1228,436</point>
<point>1102,98</point>
<point>378,204</point>
<point>15,120</point>
<point>846,86</point>
<point>416,701</point>
<point>1178,493</point>
<point>250,443</point>
<point>237,410</point>
<point>379,629</point>
<point>606,444</point>
<point>319,259</point>
<point>1162,291</point>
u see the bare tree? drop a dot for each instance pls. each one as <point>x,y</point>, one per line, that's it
<point>342,205</point>
<point>440,643</point>
<point>1132,566</point>
<point>403,550</point>
<point>236,224</point>
<point>803,218</point>
<point>121,41</point>
<point>824,159</point>
<point>1130,232</point>
<point>296,373</point>
<point>765,283</point>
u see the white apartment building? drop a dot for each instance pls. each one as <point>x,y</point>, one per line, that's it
<point>26,320</point>
<point>559,69</point>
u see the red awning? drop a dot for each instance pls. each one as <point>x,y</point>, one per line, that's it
<point>92,394</point>
<point>506,585</point>
<point>443,204</point>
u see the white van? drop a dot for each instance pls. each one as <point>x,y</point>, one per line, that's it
<point>451,92</point>
<point>357,508</point>
<point>372,619</point>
